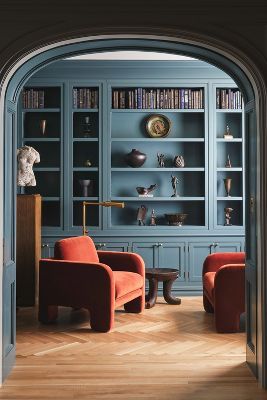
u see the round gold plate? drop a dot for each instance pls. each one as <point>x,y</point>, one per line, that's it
<point>158,126</point>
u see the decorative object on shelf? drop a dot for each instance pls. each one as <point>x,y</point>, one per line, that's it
<point>176,219</point>
<point>85,184</point>
<point>87,131</point>
<point>227,185</point>
<point>141,215</point>
<point>228,135</point>
<point>87,163</point>
<point>174,180</point>
<point>179,161</point>
<point>153,218</point>
<point>43,126</point>
<point>26,157</point>
<point>227,212</point>
<point>103,204</point>
<point>158,126</point>
<point>161,160</point>
<point>146,192</point>
<point>228,162</point>
<point>135,158</point>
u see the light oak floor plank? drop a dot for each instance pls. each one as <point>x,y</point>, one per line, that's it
<point>170,352</point>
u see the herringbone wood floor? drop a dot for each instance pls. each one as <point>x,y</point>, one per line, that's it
<point>168,352</point>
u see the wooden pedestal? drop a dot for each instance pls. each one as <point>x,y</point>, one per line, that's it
<point>28,248</point>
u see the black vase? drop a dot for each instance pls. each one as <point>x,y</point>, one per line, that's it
<point>135,158</point>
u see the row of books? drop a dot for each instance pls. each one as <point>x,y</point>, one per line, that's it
<point>140,98</point>
<point>85,98</point>
<point>228,99</point>
<point>32,98</point>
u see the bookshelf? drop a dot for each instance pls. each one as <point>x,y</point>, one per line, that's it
<point>95,114</point>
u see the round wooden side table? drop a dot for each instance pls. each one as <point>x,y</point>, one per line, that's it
<point>165,275</point>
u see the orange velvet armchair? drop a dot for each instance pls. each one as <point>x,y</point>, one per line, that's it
<point>224,289</point>
<point>80,277</point>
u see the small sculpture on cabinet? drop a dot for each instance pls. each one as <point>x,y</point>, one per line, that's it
<point>161,160</point>
<point>141,215</point>
<point>179,162</point>
<point>87,131</point>
<point>146,192</point>
<point>227,185</point>
<point>228,135</point>
<point>87,163</point>
<point>43,126</point>
<point>153,218</point>
<point>227,212</point>
<point>26,157</point>
<point>174,180</point>
<point>228,162</point>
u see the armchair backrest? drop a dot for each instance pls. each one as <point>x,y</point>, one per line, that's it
<point>80,248</point>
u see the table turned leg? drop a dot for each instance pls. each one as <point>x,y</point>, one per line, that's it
<point>167,286</point>
<point>152,293</point>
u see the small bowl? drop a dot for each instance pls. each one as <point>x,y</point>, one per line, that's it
<point>176,219</point>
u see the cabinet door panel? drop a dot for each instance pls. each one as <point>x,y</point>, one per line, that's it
<point>149,253</point>
<point>171,255</point>
<point>111,246</point>
<point>228,247</point>
<point>47,250</point>
<point>197,254</point>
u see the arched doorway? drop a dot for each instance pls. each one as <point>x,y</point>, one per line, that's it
<point>31,64</point>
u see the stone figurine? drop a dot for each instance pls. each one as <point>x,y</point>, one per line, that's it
<point>161,160</point>
<point>153,218</point>
<point>26,157</point>
<point>141,215</point>
<point>174,185</point>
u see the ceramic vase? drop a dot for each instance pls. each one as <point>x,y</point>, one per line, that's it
<point>135,158</point>
<point>179,161</point>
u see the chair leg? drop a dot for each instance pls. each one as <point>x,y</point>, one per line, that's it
<point>135,306</point>
<point>47,314</point>
<point>101,320</point>
<point>207,305</point>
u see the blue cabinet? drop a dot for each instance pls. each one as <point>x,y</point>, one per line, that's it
<point>95,116</point>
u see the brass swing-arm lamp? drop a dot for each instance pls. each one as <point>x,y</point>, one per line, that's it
<point>103,203</point>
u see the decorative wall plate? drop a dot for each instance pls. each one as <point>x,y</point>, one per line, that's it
<point>158,126</point>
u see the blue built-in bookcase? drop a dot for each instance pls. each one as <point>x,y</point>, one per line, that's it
<point>96,112</point>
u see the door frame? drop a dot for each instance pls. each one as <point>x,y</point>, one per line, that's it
<point>236,64</point>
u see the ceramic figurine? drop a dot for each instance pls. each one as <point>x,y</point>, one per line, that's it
<point>228,162</point>
<point>174,185</point>
<point>141,215</point>
<point>228,135</point>
<point>153,218</point>
<point>179,161</point>
<point>26,157</point>
<point>87,163</point>
<point>87,127</point>
<point>161,160</point>
<point>227,212</point>
<point>145,192</point>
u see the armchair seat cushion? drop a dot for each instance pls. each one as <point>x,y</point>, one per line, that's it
<point>126,282</point>
<point>208,283</point>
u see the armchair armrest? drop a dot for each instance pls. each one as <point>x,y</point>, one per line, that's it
<point>119,261</point>
<point>215,261</point>
<point>229,284</point>
<point>74,282</point>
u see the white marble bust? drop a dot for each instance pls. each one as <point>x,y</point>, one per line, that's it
<point>26,156</point>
